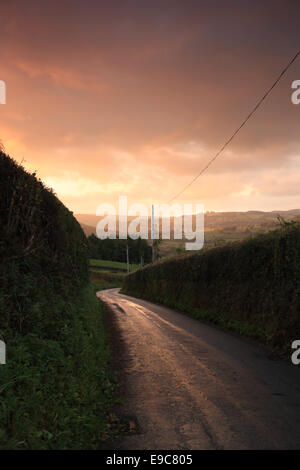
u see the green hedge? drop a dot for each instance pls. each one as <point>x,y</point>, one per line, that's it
<point>252,286</point>
<point>56,389</point>
<point>43,253</point>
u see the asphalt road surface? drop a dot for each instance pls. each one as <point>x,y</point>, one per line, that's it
<point>193,386</point>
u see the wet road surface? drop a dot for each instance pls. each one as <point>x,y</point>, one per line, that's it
<point>193,386</point>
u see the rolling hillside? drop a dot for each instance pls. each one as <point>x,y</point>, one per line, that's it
<point>220,228</point>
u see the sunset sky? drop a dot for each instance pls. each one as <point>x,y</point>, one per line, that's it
<point>109,98</point>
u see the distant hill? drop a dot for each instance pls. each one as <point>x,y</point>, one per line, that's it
<point>87,219</point>
<point>239,221</point>
<point>246,220</point>
<point>88,230</point>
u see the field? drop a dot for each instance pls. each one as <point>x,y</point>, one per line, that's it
<point>212,239</point>
<point>111,265</point>
<point>224,228</point>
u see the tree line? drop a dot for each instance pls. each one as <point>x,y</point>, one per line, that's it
<point>115,249</point>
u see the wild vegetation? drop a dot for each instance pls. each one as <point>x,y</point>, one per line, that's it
<point>252,286</point>
<point>56,388</point>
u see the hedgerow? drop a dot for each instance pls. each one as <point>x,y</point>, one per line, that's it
<point>56,388</point>
<point>43,253</point>
<point>252,286</point>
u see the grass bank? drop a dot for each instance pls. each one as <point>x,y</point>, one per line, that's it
<point>57,393</point>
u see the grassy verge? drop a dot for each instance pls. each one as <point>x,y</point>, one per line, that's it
<point>106,280</point>
<point>57,393</point>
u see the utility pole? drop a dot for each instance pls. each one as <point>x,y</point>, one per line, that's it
<point>152,234</point>
<point>127,256</point>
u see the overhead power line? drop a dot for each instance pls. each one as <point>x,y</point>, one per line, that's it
<point>238,129</point>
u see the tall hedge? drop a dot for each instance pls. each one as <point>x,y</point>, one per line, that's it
<point>253,285</point>
<point>43,254</point>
